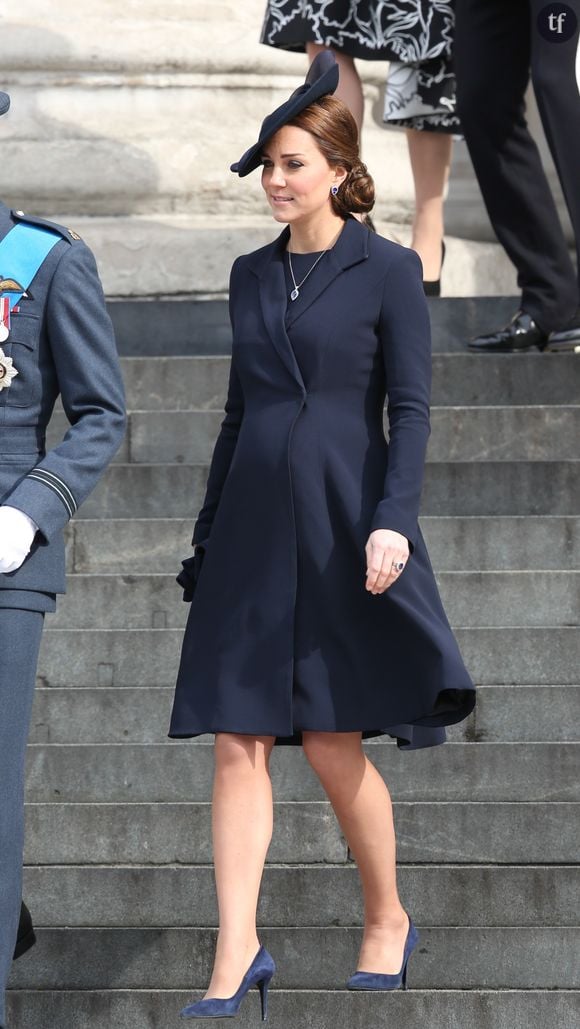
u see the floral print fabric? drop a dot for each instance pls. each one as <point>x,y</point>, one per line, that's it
<point>415,35</point>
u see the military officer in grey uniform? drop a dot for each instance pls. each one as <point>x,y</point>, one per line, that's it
<point>55,338</point>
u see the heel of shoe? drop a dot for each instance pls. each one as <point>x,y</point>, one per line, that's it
<point>263,985</point>
<point>412,941</point>
<point>432,287</point>
<point>24,944</point>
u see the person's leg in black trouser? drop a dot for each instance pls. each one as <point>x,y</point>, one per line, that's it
<point>20,634</point>
<point>492,56</point>
<point>558,97</point>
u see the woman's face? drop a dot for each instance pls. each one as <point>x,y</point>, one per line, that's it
<point>296,177</point>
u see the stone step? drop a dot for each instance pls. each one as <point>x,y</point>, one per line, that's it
<point>450,488</point>
<point>540,433</point>
<point>183,772</point>
<point>304,833</point>
<point>183,383</point>
<point>150,657</point>
<point>307,958</point>
<point>491,543</point>
<point>494,542</point>
<point>522,433</point>
<point>533,598</point>
<point>186,326</point>
<point>178,895</point>
<point>140,715</point>
<point>521,713</point>
<point>295,1009</point>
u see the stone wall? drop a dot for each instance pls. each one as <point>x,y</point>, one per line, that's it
<point>126,117</point>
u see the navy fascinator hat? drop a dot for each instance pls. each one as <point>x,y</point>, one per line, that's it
<point>4,102</point>
<point>322,78</point>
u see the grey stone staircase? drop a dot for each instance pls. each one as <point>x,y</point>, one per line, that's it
<point>118,853</point>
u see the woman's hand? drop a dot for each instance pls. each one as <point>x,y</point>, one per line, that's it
<point>384,549</point>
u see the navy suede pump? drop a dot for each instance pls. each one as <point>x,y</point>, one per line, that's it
<point>378,981</point>
<point>259,974</point>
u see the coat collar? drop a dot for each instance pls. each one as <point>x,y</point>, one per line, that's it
<point>267,263</point>
<point>350,248</point>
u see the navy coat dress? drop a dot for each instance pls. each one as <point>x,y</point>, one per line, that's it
<point>282,635</point>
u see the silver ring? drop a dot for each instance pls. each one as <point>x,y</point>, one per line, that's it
<point>398,565</point>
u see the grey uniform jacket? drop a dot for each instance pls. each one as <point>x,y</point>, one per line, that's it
<point>61,342</point>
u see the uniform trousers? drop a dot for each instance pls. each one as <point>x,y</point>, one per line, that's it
<point>20,635</point>
<point>497,45</point>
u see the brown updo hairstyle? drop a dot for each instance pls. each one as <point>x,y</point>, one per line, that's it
<point>334,129</point>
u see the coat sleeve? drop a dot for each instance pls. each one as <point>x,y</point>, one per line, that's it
<point>226,441</point>
<point>89,377</point>
<point>405,336</point>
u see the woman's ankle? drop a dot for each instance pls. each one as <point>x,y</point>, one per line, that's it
<point>235,944</point>
<point>390,922</point>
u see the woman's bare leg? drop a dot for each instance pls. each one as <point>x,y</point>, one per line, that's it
<point>430,155</point>
<point>349,84</point>
<point>363,807</point>
<point>242,818</point>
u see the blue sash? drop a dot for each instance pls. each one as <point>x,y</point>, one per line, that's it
<point>22,252</point>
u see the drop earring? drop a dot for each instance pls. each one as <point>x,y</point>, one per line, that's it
<point>334,190</point>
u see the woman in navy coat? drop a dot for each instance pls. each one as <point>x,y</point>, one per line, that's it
<point>315,618</point>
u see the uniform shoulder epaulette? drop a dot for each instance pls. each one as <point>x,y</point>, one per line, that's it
<point>30,219</point>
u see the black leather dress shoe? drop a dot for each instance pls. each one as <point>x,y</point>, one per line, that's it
<point>566,339</point>
<point>26,936</point>
<point>521,333</point>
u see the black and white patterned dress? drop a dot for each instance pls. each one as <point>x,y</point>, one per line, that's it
<point>416,36</point>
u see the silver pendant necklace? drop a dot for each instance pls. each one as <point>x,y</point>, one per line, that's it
<point>296,291</point>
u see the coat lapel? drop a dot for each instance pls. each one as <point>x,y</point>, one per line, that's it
<point>350,248</point>
<point>273,300</point>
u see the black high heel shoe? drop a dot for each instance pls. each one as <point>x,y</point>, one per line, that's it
<point>259,974</point>
<point>432,287</point>
<point>26,937</point>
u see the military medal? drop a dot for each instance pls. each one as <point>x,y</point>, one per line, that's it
<point>8,286</point>
<point>4,319</point>
<point>7,371</point>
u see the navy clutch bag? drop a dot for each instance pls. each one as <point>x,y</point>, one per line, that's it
<point>189,573</point>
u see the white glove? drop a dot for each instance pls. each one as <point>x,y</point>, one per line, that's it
<point>17,532</point>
